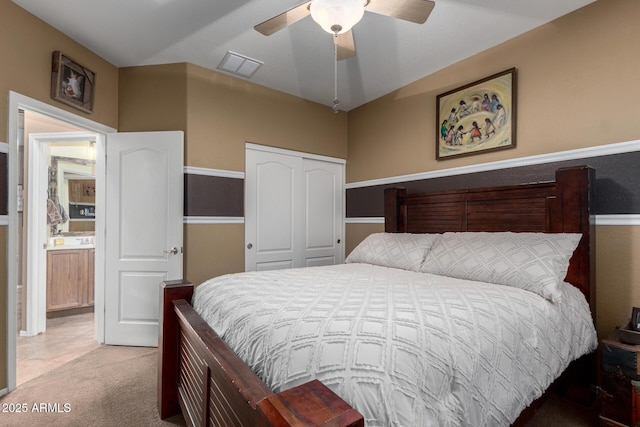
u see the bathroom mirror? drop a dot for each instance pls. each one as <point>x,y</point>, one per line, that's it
<point>72,181</point>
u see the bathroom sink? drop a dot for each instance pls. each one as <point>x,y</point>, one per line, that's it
<point>82,241</point>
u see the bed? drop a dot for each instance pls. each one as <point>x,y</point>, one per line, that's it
<point>200,375</point>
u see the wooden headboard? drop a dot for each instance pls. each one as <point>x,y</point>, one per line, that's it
<point>561,206</point>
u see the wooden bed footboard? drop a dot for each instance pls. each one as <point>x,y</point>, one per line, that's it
<point>200,376</point>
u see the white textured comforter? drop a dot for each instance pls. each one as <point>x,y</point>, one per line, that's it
<point>404,348</point>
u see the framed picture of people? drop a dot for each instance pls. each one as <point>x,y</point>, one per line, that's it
<point>477,117</point>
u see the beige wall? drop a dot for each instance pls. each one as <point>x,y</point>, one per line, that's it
<point>219,114</point>
<point>225,112</point>
<point>617,275</point>
<point>577,87</point>
<point>27,45</point>
<point>355,233</point>
<point>152,98</point>
<point>213,250</point>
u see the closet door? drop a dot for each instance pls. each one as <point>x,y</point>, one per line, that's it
<point>293,210</point>
<point>322,216</point>
<point>273,201</point>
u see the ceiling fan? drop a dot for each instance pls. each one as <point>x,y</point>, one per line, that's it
<point>338,16</point>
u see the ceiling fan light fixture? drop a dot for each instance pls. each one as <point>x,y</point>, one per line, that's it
<point>337,16</point>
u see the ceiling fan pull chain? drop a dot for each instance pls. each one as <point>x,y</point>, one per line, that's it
<point>335,75</point>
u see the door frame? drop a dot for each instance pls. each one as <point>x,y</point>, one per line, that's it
<point>18,101</point>
<point>36,223</point>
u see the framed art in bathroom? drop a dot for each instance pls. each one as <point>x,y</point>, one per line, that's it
<point>71,83</point>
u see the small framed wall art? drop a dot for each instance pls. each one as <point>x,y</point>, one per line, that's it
<point>477,117</point>
<point>72,83</point>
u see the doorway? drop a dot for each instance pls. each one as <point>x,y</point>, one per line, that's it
<point>58,226</point>
<point>56,278</point>
<point>20,318</point>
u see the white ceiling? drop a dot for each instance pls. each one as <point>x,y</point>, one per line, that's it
<point>298,59</point>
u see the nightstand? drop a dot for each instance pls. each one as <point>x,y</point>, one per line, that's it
<point>619,383</point>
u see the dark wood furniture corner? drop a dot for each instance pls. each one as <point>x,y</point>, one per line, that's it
<point>619,383</point>
<point>311,404</point>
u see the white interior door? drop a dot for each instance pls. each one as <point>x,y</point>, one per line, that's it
<point>293,209</point>
<point>323,184</point>
<point>273,192</point>
<point>144,226</point>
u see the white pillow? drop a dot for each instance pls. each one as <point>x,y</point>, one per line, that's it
<point>398,250</point>
<point>537,262</point>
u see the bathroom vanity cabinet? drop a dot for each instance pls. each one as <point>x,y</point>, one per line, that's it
<point>70,281</point>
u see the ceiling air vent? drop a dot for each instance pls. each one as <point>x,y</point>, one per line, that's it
<point>239,65</point>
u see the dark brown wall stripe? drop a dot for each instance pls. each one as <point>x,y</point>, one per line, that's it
<point>203,195</point>
<point>617,187</point>
<point>213,196</point>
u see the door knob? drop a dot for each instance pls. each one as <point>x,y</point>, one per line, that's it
<point>249,246</point>
<point>172,251</point>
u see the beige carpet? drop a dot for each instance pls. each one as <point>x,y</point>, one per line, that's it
<point>110,386</point>
<point>116,386</point>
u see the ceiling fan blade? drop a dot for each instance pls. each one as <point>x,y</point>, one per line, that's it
<point>278,22</point>
<point>409,10</point>
<point>345,45</point>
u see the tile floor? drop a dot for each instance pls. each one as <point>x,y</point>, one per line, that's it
<point>65,339</point>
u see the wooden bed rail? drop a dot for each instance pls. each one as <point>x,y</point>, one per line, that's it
<point>168,346</point>
<point>201,376</point>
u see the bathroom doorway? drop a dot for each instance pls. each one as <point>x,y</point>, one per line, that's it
<point>19,249</point>
<point>55,303</point>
